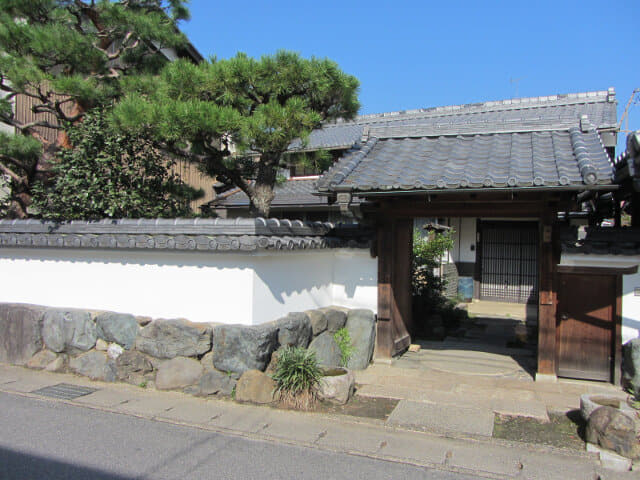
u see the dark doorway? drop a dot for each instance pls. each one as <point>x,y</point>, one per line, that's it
<point>509,261</point>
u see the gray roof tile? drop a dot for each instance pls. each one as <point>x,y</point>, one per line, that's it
<point>292,192</point>
<point>550,112</point>
<point>568,157</point>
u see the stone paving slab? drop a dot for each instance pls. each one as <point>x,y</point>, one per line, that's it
<point>307,430</point>
<point>443,418</point>
<point>347,438</point>
<point>147,407</point>
<point>520,408</point>
<point>494,460</point>
<point>247,419</point>
<point>192,412</point>
<point>106,398</point>
<point>417,447</point>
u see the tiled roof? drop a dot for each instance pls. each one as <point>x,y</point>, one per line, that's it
<point>503,160</point>
<point>627,165</point>
<point>293,192</point>
<point>221,235</point>
<point>557,111</point>
<point>541,142</point>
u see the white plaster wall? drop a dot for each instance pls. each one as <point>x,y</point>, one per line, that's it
<point>199,286</point>
<point>355,279</point>
<point>291,282</point>
<point>466,239</point>
<point>630,303</point>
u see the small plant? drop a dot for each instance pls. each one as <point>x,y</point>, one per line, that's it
<point>233,392</point>
<point>143,384</point>
<point>343,339</point>
<point>634,399</point>
<point>297,376</point>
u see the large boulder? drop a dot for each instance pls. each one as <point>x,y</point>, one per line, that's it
<point>20,332</point>
<point>326,349</point>
<point>631,364</point>
<point>336,385</point>
<point>318,321</point>
<point>179,372</point>
<point>174,338</point>
<point>133,367</point>
<point>94,365</point>
<point>120,328</point>
<point>336,318</point>
<point>41,360</point>
<point>256,387</point>
<point>294,330</point>
<point>71,331</point>
<point>214,382</point>
<point>614,430</point>
<point>238,348</point>
<point>361,325</point>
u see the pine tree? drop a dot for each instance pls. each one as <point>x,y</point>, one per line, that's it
<point>236,118</point>
<point>69,56</point>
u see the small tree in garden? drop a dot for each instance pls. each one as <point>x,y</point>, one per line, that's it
<point>297,376</point>
<point>427,287</point>
<point>236,118</point>
<point>111,174</point>
<point>66,57</point>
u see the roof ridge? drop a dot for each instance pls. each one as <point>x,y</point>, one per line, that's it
<point>489,106</point>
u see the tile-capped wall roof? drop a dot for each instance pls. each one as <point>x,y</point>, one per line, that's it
<point>600,240</point>
<point>240,234</point>
<point>565,158</point>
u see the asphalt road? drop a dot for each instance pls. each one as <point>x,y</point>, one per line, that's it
<point>43,439</point>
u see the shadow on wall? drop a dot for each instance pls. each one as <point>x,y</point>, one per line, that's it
<point>295,275</point>
<point>329,276</point>
<point>175,258</point>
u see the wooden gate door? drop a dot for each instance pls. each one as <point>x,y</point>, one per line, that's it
<point>586,326</point>
<point>509,261</point>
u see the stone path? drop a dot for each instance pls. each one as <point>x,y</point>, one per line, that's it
<point>460,386</point>
<point>392,441</point>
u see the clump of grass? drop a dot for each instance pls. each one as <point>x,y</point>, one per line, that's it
<point>297,376</point>
<point>343,339</point>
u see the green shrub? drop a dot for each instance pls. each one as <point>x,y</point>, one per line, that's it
<point>297,376</point>
<point>343,339</point>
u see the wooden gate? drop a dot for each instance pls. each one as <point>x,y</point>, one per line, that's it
<point>586,326</point>
<point>509,261</point>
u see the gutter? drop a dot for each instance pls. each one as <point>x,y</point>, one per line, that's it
<point>363,193</point>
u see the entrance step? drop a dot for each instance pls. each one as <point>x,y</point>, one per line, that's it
<point>444,419</point>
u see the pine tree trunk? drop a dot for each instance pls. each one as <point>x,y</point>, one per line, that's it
<point>263,194</point>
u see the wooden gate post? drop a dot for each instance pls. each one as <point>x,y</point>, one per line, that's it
<point>394,287</point>
<point>547,298</point>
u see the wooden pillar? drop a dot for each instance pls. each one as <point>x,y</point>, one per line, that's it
<point>394,287</point>
<point>547,296</point>
<point>384,335</point>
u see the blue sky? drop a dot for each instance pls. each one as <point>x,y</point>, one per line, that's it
<point>412,54</point>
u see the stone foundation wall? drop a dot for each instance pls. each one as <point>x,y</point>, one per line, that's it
<point>198,358</point>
